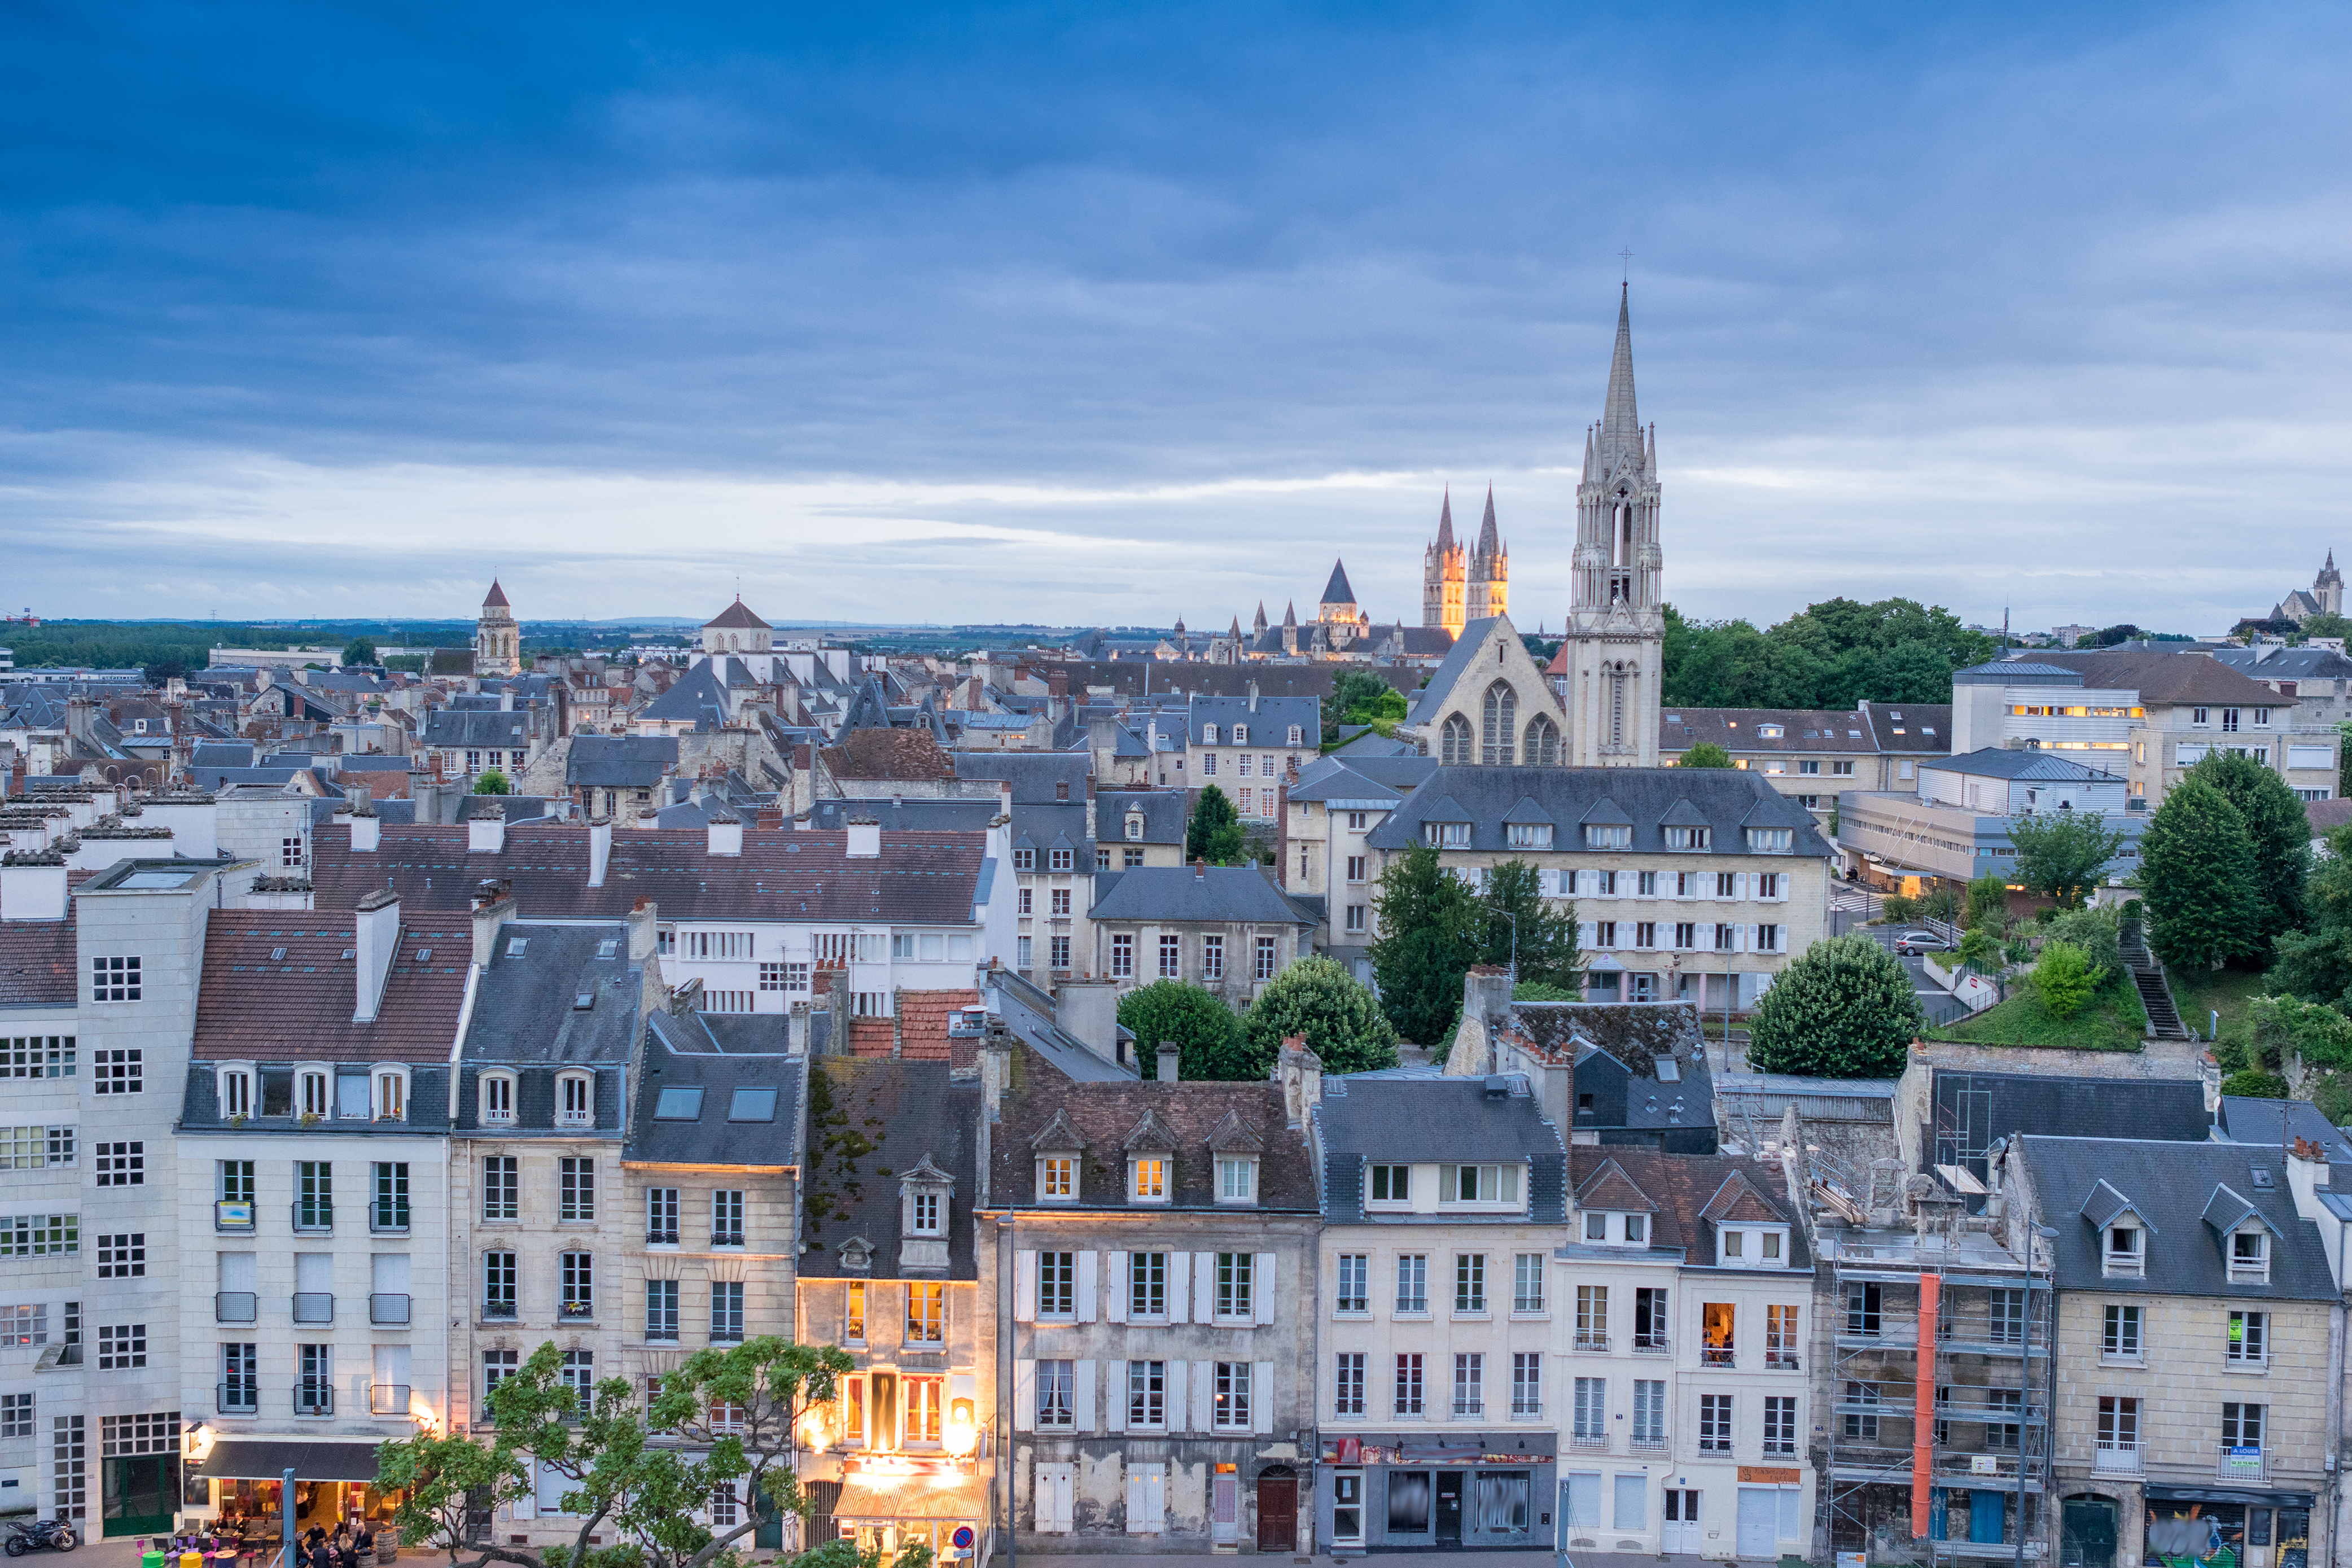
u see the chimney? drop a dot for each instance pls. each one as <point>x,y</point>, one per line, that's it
<point>506,699</point>
<point>375,939</point>
<point>726,834</point>
<point>367,828</point>
<point>1253,695</point>
<point>600,849</point>
<point>426,791</point>
<point>485,830</point>
<point>1300,1072</point>
<point>865,839</point>
<point>494,905</point>
<point>1169,1056</point>
<point>1200,869</point>
<point>796,1029</point>
<point>32,887</point>
<point>644,930</point>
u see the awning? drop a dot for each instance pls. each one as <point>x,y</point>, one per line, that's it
<point>2227,1494</point>
<point>263,1459</point>
<point>885,1498</point>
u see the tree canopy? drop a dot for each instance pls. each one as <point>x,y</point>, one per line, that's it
<point>1358,697</point>
<point>2280,832</point>
<point>359,650</point>
<point>1432,928</point>
<point>1844,1008</point>
<point>493,782</point>
<point>1206,1032</point>
<point>1831,655</point>
<point>2316,963</point>
<point>2063,853</point>
<point>1705,754</point>
<point>1215,834</point>
<point>1319,998</point>
<point>2197,879</point>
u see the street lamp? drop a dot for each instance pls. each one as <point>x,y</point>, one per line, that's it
<point>963,1429</point>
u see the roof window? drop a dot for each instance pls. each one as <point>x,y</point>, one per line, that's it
<point>684,1104</point>
<point>752,1105</point>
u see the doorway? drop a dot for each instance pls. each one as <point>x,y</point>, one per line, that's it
<point>1759,1521</point>
<point>1449,1509</point>
<point>1225,1507</point>
<point>1278,1509</point>
<point>142,1494</point>
<point>1680,1532</point>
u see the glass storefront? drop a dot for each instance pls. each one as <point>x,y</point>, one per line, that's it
<point>1397,1492</point>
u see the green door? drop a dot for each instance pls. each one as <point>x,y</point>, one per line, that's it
<point>770,1531</point>
<point>142,1494</point>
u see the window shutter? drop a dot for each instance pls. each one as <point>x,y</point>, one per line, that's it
<point>1086,1302</point>
<point>1024,1286</point>
<point>1024,1396</point>
<point>1115,1399</point>
<point>1205,1390</point>
<point>1135,1492</point>
<point>1585,935</point>
<point>1180,1294</point>
<point>1115,1300</point>
<point>1082,1391</point>
<point>1176,1406</point>
<point>1204,1288</point>
<point>1261,1398</point>
<point>1262,1288</point>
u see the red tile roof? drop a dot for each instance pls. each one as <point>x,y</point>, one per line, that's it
<point>36,963</point>
<point>923,1022</point>
<point>870,1036</point>
<point>278,987</point>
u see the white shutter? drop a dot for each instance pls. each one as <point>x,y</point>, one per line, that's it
<point>1155,1503</point>
<point>1585,935</point>
<point>1176,1405</point>
<point>1261,1398</point>
<point>1082,1390</point>
<point>1205,1390</point>
<point>1115,1268</point>
<point>1143,1518</point>
<point>1086,1286</point>
<point>1180,1295</point>
<point>1024,1396</point>
<point>1024,1286</point>
<point>1115,1396</point>
<point>1262,1288</point>
<point>1204,1287</point>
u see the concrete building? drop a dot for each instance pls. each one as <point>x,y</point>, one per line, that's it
<point>1229,927</point>
<point>1955,825</point>
<point>1812,754</point>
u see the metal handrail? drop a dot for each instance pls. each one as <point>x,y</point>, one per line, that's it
<point>314,1307</point>
<point>388,1306</point>
<point>228,1304</point>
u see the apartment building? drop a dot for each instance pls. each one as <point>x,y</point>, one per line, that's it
<point>1953,825</point>
<point>1690,883</point>
<point>1333,808</point>
<point>1438,1316</point>
<point>312,1196</point>
<point>1150,1252</point>
<point>887,1272</point>
<point>1813,754</point>
<point>1250,746</point>
<point>1229,927</point>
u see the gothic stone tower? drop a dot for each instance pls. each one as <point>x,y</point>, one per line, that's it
<point>498,641</point>
<point>2328,588</point>
<point>1444,567</point>
<point>1488,590</point>
<point>1616,619</point>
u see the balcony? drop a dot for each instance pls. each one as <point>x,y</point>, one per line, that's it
<point>1527,1409</point>
<point>1464,1409</point>
<point>237,1397</point>
<point>387,1399</point>
<point>661,1334</point>
<point>2117,1459</point>
<point>1780,1360</point>
<point>498,1311</point>
<point>1592,1344</point>
<point>498,1118</point>
<point>2245,1462</point>
<point>1715,1355</point>
<point>388,1308</point>
<point>662,1237</point>
<point>234,1215</point>
<point>385,1219</point>
<point>313,1218</point>
<point>1653,1344</point>
<point>1591,1442</point>
<point>1649,1446</point>
<point>235,1307</point>
<point>314,1396</point>
<point>314,1307</point>
<point>579,1311</point>
<point>575,1119</point>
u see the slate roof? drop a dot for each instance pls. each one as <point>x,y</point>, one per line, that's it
<point>1034,776</point>
<point>1459,658</point>
<point>1336,591</point>
<point>1726,799</point>
<point>2169,1110</point>
<point>1269,725</point>
<point>526,1005</point>
<point>738,616</point>
<point>2276,663</point>
<point>1920,727</point>
<point>2247,1120</point>
<point>1097,1117</point>
<point>496,597</point>
<point>695,697</point>
<point>917,814</point>
<point>1691,1194</point>
<point>692,1050</point>
<point>782,875</point>
<point>2016,672</point>
<point>2172,1185</point>
<point>2164,677</point>
<point>37,962</point>
<point>1431,1120</point>
<point>1031,1022</point>
<point>2001,763</point>
<point>620,761</point>
<point>871,1122</point>
<point>1214,893</point>
<point>1163,815</point>
<point>1802,729</point>
<point>279,985</point>
<point>457,727</point>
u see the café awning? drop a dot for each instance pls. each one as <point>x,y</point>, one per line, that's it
<point>267,1460</point>
<point>883,1500</point>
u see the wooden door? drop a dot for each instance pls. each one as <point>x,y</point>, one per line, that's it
<point>1277,1513</point>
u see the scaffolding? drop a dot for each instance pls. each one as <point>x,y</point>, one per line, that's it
<point>1955,1419</point>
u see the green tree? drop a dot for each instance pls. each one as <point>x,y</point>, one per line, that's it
<point>2197,879</point>
<point>2063,978</point>
<point>1980,948</point>
<point>1359,697</point>
<point>2098,934</point>
<point>2325,625</point>
<point>493,782</point>
<point>2253,1083</point>
<point>1206,1032</point>
<point>359,650</point>
<point>1428,927</point>
<point>1842,1008</point>
<point>1317,997</point>
<point>2281,832</point>
<point>1215,834</point>
<point>2283,1028</point>
<point>2063,853</point>
<point>1536,991</point>
<point>2316,963</point>
<point>1988,903</point>
<point>1705,754</point>
<point>1519,926</point>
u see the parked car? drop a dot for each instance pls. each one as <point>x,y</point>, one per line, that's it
<point>1911,944</point>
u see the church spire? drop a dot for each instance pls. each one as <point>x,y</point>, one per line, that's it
<point>1445,522</point>
<point>1620,427</point>
<point>1489,545</point>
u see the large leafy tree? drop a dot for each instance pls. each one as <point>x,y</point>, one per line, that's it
<point>1358,697</point>
<point>1429,935</point>
<point>1705,754</point>
<point>359,650</point>
<point>1206,1032</point>
<point>1319,998</point>
<point>2197,879</point>
<point>2316,963</point>
<point>1844,1008</point>
<point>1215,832</point>
<point>2063,853</point>
<point>2280,831</point>
<point>1831,655</point>
<point>1520,926</point>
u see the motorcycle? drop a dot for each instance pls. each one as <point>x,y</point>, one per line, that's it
<point>42,1535</point>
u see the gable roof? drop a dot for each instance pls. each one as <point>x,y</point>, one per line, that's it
<point>281,984</point>
<point>1228,893</point>
<point>1652,799</point>
<point>1693,1194</point>
<point>737,617</point>
<point>871,1125</point>
<point>1364,1119</point>
<point>1609,1187</point>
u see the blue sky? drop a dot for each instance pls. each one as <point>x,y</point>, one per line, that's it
<point>1112,314</point>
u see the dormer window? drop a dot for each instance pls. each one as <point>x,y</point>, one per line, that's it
<point>1753,1246</point>
<point>1208,734</point>
<point>1689,838</point>
<point>1298,735</point>
<point>2125,1252</point>
<point>1025,859</point>
<point>235,1091</point>
<point>924,1211</point>
<point>1058,1178</point>
<point>1134,825</point>
<point>1146,1179</point>
<point>1608,835</point>
<point>575,1100</point>
<point>1530,835</point>
<point>498,1100</point>
<point>1769,732</point>
<point>1241,734</point>
<point>1446,834</point>
<point>1390,1186</point>
<point>1771,840</point>
<point>1236,1179</point>
<point>2250,1257</point>
<point>313,1093</point>
<point>390,1099</point>
<point>1487,1186</point>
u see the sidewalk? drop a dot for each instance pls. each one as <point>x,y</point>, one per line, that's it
<point>1375,1559</point>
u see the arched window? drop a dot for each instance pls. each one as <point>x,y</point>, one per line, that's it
<point>1500,725</point>
<point>1455,747</point>
<point>1542,743</point>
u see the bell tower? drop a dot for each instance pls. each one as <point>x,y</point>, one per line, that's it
<point>1616,618</point>
<point>498,641</point>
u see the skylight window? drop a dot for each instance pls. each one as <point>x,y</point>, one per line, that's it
<point>752,1105</point>
<point>516,944</point>
<point>608,947</point>
<point>1669,1070</point>
<point>679,1105</point>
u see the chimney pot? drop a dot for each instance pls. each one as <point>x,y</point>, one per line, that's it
<point>1170,1057</point>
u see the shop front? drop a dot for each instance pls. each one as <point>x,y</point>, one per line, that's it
<point>2219,1527</point>
<point>889,1502</point>
<point>1418,1491</point>
<point>239,1481</point>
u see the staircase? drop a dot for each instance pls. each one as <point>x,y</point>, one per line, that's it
<point>2155,996</point>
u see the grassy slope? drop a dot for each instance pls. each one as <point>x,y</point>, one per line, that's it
<point>2111,1021</point>
<point>2233,991</point>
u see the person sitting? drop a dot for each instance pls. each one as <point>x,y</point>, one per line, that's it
<point>364,1543</point>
